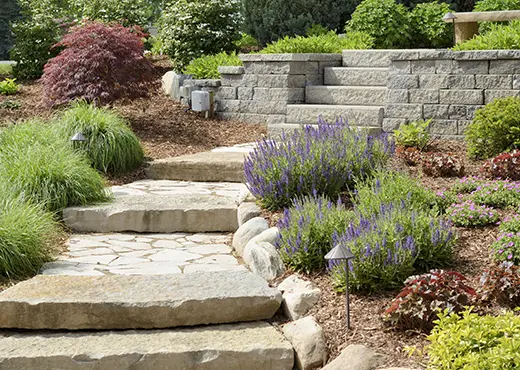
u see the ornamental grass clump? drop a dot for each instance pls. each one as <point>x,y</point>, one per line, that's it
<point>325,160</point>
<point>111,145</point>
<point>306,231</point>
<point>469,214</point>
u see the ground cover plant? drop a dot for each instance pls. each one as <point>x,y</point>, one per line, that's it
<point>469,214</point>
<point>207,66</point>
<point>413,135</point>
<point>9,86</point>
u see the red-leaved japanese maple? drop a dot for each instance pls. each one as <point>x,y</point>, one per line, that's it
<point>100,63</point>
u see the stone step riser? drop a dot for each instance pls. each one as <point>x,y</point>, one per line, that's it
<point>342,95</point>
<point>275,131</point>
<point>356,76</point>
<point>356,116</point>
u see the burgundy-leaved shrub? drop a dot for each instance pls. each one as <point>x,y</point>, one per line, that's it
<point>100,63</point>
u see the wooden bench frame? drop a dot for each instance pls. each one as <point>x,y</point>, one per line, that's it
<point>466,24</point>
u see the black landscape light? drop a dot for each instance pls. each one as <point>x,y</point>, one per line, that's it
<point>342,254</point>
<point>451,17</point>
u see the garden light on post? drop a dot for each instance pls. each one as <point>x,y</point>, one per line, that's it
<point>340,253</point>
<point>78,138</point>
<point>451,17</point>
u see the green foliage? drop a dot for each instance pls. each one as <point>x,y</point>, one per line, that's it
<point>510,224</point>
<point>189,29</point>
<point>327,43</point>
<point>429,30</point>
<point>316,30</point>
<point>494,5</point>
<point>385,20</point>
<point>497,194</point>
<point>9,86</point>
<point>126,12</point>
<point>270,20</point>
<point>469,214</point>
<point>246,42</point>
<point>111,145</point>
<point>467,185</point>
<point>458,5</point>
<point>10,104</point>
<point>9,11</point>
<point>27,235</point>
<point>40,167</point>
<point>495,128</point>
<point>414,134</point>
<point>497,38</point>
<point>473,342</point>
<point>6,69</point>
<point>207,65</point>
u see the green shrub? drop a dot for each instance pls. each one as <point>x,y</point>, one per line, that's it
<point>6,69</point>
<point>306,231</point>
<point>38,166</point>
<point>111,145</point>
<point>495,128</point>
<point>9,86</point>
<point>474,342</point>
<point>316,30</point>
<point>414,134</point>
<point>497,38</point>
<point>183,37</point>
<point>458,5</point>
<point>9,12</point>
<point>327,43</point>
<point>497,194</point>
<point>467,185</point>
<point>429,30</point>
<point>126,12</point>
<point>27,237</point>
<point>207,66</point>
<point>385,20</point>
<point>246,42</point>
<point>494,5</point>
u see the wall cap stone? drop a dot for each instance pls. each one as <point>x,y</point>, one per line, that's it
<point>203,83</point>
<point>289,57</point>
<point>231,70</point>
<point>436,54</point>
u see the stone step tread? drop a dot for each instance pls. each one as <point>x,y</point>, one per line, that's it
<point>335,106</point>
<point>346,95</point>
<point>255,345</point>
<point>340,87</point>
<point>275,130</point>
<point>356,68</point>
<point>137,302</point>
<point>360,115</point>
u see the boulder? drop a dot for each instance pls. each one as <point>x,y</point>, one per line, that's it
<point>356,357</point>
<point>248,231</point>
<point>247,211</point>
<point>306,337</point>
<point>270,235</point>
<point>167,82</point>
<point>263,259</point>
<point>299,296</point>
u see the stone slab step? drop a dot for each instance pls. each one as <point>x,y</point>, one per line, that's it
<point>367,58</point>
<point>207,166</point>
<point>162,206</point>
<point>137,302</point>
<point>356,76</point>
<point>232,347</point>
<point>346,95</point>
<point>371,116</point>
<point>275,131</point>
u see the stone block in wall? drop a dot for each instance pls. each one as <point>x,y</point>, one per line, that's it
<point>472,109</point>
<point>494,81</point>
<point>276,81</point>
<point>391,124</point>
<point>245,93</point>
<point>228,106</point>
<point>508,54</point>
<point>327,64</point>
<point>263,106</point>
<point>203,83</point>
<point>403,81</point>
<point>423,66</point>
<point>467,67</point>
<point>475,55</point>
<point>290,68</point>
<point>462,125</point>
<point>424,96</point>
<point>433,81</point>
<point>231,70</point>
<point>313,80</point>
<point>516,82</point>
<point>226,92</point>
<point>266,119</point>
<point>461,81</point>
<point>491,95</point>
<point>397,96</point>
<point>436,54</point>
<point>282,94</point>
<point>232,80</point>
<point>458,112</point>
<point>504,67</point>
<point>407,111</point>
<point>401,67</point>
<point>438,111</point>
<point>444,66</point>
<point>470,97</point>
<point>443,127</point>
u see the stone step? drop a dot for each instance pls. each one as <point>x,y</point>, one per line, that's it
<point>162,206</point>
<point>275,130</point>
<point>371,116</point>
<point>368,58</point>
<point>356,76</point>
<point>346,95</point>
<point>255,345</point>
<point>137,302</point>
<point>207,166</point>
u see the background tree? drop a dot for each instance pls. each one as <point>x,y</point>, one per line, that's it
<point>9,11</point>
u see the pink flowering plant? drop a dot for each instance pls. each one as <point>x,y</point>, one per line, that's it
<point>467,185</point>
<point>510,224</point>
<point>507,247</point>
<point>497,194</point>
<point>469,214</point>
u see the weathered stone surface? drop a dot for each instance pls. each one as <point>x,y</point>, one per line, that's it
<point>137,302</point>
<point>203,83</point>
<point>491,95</point>
<point>352,76</point>
<point>475,55</point>
<point>355,115</point>
<point>231,70</point>
<point>206,166</point>
<point>299,296</point>
<point>500,82</point>
<point>245,93</point>
<point>226,92</point>
<point>227,105</point>
<point>470,97</point>
<point>436,111</point>
<point>279,94</point>
<point>433,81</point>
<point>470,67</point>
<point>247,211</point>
<point>263,106</point>
<point>408,111</point>
<point>365,95</point>
<point>401,67</point>
<point>265,119</point>
<point>355,357</point>
<point>288,57</point>
<point>423,66</point>
<point>458,111</point>
<point>443,127</point>
<point>248,231</point>
<point>398,96</point>
<point>504,67</point>
<point>307,339</point>
<point>366,58</point>
<point>270,236</point>
<point>461,81</point>
<point>391,124</point>
<point>282,67</point>
<point>232,347</point>
<point>264,260</point>
<point>424,96</point>
<point>403,81</point>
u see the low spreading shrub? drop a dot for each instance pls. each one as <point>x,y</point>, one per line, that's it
<point>111,145</point>
<point>306,231</point>
<point>247,43</point>
<point>414,134</point>
<point>326,43</point>
<point>9,86</point>
<point>429,30</point>
<point>418,304</point>
<point>324,160</point>
<point>467,185</point>
<point>316,30</point>
<point>207,66</point>
<point>28,235</point>
<point>510,224</point>
<point>497,194</point>
<point>469,214</point>
<point>494,5</point>
<point>504,166</point>
<point>497,38</point>
<point>441,165</point>
<point>127,12</point>
<point>472,342</point>
<point>40,167</point>
<point>495,129</point>
<point>385,20</point>
<point>100,63</point>
<point>507,247</point>
<point>445,198</point>
<point>501,283</point>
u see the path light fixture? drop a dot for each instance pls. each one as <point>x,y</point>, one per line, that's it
<point>341,253</point>
<point>451,17</point>
<point>78,137</point>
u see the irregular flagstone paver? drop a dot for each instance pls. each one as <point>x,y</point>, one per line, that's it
<point>137,302</point>
<point>232,347</point>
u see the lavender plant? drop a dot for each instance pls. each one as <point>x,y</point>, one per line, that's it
<point>469,214</point>
<point>324,160</point>
<point>507,247</point>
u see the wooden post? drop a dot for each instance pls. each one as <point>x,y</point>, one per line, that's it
<point>465,31</point>
<point>211,104</point>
